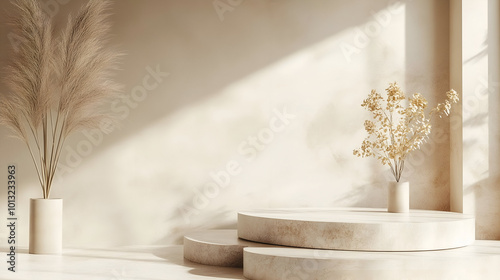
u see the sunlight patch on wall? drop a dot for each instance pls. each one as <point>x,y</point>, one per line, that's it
<point>280,137</point>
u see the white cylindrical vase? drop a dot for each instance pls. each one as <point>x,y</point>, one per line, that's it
<point>398,197</point>
<point>46,216</point>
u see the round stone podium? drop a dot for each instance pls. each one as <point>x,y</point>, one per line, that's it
<point>357,229</point>
<point>481,260</point>
<point>216,247</point>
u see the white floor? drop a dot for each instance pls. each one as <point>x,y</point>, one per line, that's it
<point>148,263</point>
<point>126,264</point>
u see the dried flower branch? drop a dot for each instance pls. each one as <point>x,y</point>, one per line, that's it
<point>57,86</point>
<point>397,131</point>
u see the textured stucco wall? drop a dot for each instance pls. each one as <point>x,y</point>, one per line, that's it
<point>263,96</point>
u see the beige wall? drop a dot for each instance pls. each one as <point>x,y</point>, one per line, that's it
<point>490,226</point>
<point>475,132</point>
<point>229,74</point>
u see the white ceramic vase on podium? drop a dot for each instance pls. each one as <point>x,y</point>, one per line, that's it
<point>46,226</point>
<point>398,198</point>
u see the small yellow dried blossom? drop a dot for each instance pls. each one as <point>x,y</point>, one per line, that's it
<point>397,131</point>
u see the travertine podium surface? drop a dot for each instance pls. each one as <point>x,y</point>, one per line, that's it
<point>481,260</point>
<point>216,247</point>
<point>357,229</point>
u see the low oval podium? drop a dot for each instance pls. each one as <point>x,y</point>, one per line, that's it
<point>357,229</point>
